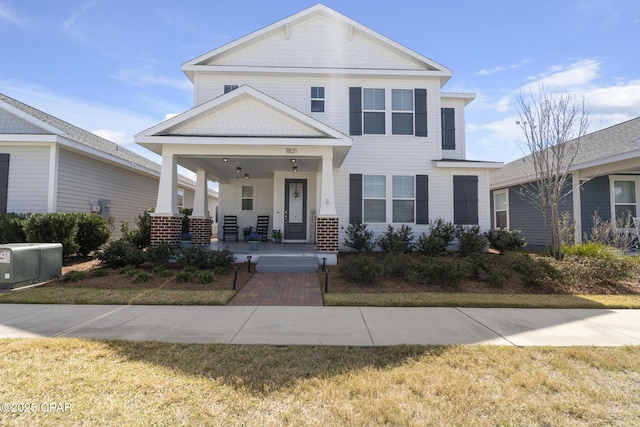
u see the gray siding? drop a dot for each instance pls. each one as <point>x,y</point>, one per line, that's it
<point>28,178</point>
<point>595,196</point>
<point>525,216</point>
<point>83,179</point>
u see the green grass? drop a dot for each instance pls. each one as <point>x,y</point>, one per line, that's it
<point>67,295</point>
<point>115,383</point>
<point>442,299</point>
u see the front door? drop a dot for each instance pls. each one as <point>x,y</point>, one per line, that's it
<point>295,209</point>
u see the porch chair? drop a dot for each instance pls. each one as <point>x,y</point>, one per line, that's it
<point>262,227</point>
<point>230,227</point>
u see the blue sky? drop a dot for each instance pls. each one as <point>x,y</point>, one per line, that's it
<point>113,67</point>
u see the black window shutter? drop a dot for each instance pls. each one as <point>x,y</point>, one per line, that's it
<point>448,128</point>
<point>420,103</point>
<point>422,199</point>
<point>4,181</point>
<point>465,199</point>
<point>355,198</point>
<point>355,111</point>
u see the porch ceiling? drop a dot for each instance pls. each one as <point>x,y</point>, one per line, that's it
<point>256,167</point>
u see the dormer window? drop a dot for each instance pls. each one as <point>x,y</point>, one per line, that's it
<point>317,99</point>
<point>229,88</point>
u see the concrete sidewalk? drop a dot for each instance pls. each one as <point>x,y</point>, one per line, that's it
<point>343,326</point>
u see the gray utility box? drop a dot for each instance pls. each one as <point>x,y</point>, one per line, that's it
<point>24,264</point>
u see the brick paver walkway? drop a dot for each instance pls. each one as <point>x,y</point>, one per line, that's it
<point>292,289</point>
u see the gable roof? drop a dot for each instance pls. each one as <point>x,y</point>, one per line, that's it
<point>354,31</point>
<point>55,126</point>
<point>186,124</point>
<point>615,143</point>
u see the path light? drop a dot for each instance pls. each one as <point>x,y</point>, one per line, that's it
<point>249,263</point>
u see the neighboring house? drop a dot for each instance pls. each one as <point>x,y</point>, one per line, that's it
<point>318,121</point>
<point>605,178</point>
<point>48,165</point>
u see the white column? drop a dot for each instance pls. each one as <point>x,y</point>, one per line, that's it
<point>327,191</point>
<point>577,206</point>
<point>167,203</point>
<point>201,201</point>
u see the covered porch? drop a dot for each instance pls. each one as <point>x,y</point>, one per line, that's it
<point>279,163</point>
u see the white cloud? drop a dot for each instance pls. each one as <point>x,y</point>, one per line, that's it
<point>71,20</point>
<point>147,78</point>
<point>559,77</point>
<point>118,136</point>
<point>10,15</point>
<point>500,68</point>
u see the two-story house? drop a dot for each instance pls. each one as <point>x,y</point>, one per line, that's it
<point>318,121</point>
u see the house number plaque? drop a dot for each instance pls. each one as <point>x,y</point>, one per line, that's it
<point>291,150</point>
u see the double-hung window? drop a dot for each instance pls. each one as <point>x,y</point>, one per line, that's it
<point>402,114</point>
<point>247,198</point>
<point>501,209</point>
<point>375,198</point>
<point>625,197</point>
<point>403,198</point>
<point>373,111</point>
<point>229,88</point>
<point>317,99</point>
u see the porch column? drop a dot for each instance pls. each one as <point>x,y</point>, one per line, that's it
<point>577,206</point>
<point>327,233</point>
<point>166,222</point>
<point>200,222</point>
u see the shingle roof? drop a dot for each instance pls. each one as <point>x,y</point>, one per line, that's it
<point>82,136</point>
<point>609,143</point>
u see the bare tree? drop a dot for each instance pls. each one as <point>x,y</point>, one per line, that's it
<point>555,127</point>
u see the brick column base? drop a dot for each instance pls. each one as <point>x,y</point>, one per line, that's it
<point>165,229</point>
<point>327,239</point>
<point>200,229</point>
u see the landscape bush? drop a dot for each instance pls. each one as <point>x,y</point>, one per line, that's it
<point>396,241</point>
<point>470,240</point>
<point>359,239</point>
<point>505,240</point>
<point>141,235</point>
<point>362,269</point>
<point>120,253</point>
<point>397,264</point>
<point>73,276</point>
<point>533,271</point>
<point>489,269</point>
<point>93,232</point>
<point>444,271</point>
<point>161,253</point>
<point>12,228</point>
<point>53,228</point>
<point>205,277</point>
<point>441,234</point>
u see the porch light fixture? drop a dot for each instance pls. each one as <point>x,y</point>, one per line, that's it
<point>238,169</point>
<point>293,160</point>
<point>295,169</point>
<point>246,176</point>
<point>226,159</point>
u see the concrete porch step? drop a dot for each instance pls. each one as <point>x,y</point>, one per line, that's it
<point>287,264</point>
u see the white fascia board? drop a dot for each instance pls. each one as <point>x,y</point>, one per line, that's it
<point>28,138</point>
<point>467,164</point>
<point>157,141</point>
<point>467,97</point>
<point>600,162</point>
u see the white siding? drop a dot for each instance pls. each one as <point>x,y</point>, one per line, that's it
<point>10,123</point>
<point>459,152</point>
<point>231,202</point>
<point>82,180</point>
<point>28,178</point>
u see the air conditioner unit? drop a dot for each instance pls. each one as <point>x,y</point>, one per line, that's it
<point>23,264</point>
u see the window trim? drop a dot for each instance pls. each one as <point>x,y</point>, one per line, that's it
<point>404,112</point>
<point>229,88</point>
<point>180,197</point>
<point>412,199</point>
<point>375,111</point>
<point>365,198</point>
<point>612,181</point>
<point>318,99</point>
<point>243,197</point>
<point>496,210</point>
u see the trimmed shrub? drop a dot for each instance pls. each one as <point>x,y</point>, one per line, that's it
<point>183,277</point>
<point>141,236</point>
<point>397,264</point>
<point>161,253</point>
<point>120,253</point>
<point>53,228</point>
<point>142,277</point>
<point>359,239</point>
<point>93,232</point>
<point>204,277</point>
<point>73,276</point>
<point>101,272</point>
<point>222,261</point>
<point>198,256</point>
<point>533,271</point>
<point>505,240</point>
<point>489,269</point>
<point>439,238</point>
<point>362,269</point>
<point>162,271</point>
<point>12,228</point>
<point>396,241</point>
<point>470,240</point>
<point>445,271</point>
